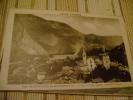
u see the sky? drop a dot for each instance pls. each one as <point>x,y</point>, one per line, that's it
<point>87,25</point>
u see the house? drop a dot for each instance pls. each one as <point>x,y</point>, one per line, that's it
<point>18,71</point>
<point>84,68</point>
<point>59,73</point>
<point>113,80</point>
<point>65,68</point>
<point>41,76</point>
<point>63,57</point>
<point>80,63</point>
<point>91,63</point>
<point>97,80</point>
<point>47,80</point>
<point>30,69</point>
<point>71,71</point>
<point>64,79</point>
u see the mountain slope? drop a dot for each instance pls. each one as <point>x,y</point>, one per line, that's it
<point>108,42</point>
<point>35,36</point>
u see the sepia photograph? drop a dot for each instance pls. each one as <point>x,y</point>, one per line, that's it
<point>66,49</point>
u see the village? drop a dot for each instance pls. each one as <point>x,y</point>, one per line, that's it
<point>68,69</point>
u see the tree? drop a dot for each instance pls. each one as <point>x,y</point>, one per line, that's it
<point>99,71</point>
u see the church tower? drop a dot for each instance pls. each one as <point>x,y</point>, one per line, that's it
<point>84,57</point>
<point>106,60</point>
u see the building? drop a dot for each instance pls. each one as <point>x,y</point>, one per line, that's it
<point>41,76</point>
<point>97,80</point>
<point>106,60</point>
<point>63,57</point>
<point>65,68</point>
<point>84,68</point>
<point>89,61</point>
<point>84,57</point>
<point>93,61</point>
<point>59,58</point>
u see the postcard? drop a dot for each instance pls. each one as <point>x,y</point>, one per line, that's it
<point>52,50</point>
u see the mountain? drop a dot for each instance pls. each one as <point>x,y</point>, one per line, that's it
<point>108,42</point>
<point>118,54</point>
<point>34,36</point>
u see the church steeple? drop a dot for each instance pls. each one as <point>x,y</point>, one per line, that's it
<point>104,50</point>
<point>84,57</point>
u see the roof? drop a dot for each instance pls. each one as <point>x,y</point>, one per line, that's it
<point>41,73</point>
<point>104,54</point>
<point>62,55</point>
<point>97,80</point>
<point>48,78</point>
<point>64,75</point>
<point>95,57</point>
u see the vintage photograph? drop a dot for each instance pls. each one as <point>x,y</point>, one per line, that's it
<point>67,49</point>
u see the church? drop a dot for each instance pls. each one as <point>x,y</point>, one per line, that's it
<point>91,62</point>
